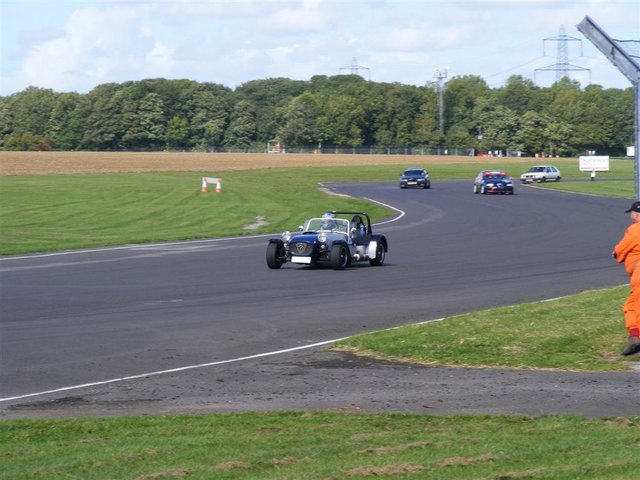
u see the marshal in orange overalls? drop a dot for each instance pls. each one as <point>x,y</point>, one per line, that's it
<point>627,251</point>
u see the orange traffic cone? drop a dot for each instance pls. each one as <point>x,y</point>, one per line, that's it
<point>204,186</point>
<point>218,187</point>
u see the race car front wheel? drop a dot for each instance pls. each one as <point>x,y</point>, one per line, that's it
<point>339,256</point>
<point>274,255</point>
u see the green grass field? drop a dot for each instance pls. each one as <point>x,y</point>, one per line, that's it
<point>579,333</point>
<point>60,212</point>
<point>322,446</point>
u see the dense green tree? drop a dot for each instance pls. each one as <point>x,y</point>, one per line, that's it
<point>269,96</point>
<point>518,95</point>
<point>344,118</point>
<point>145,123</point>
<point>104,125</point>
<point>177,136</point>
<point>242,126</point>
<point>396,115</point>
<point>458,137</point>
<point>530,138</point>
<point>27,142</point>
<point>63,129</point>
<point>31,110</point>
<point>6,120</point>
<point>340,111</point>
<point>426,131</point>
<point>461,96</point>
<point>299,127</point>
<point>499,129</point>
<point>557,135</point>
<point>209,109</point>
<point>619,109</point>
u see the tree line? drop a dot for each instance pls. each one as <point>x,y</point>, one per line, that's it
<point>323,114</point>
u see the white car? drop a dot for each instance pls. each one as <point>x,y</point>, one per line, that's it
<point>541,173</point>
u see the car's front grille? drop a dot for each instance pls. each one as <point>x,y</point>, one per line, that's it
<point>301,248</point>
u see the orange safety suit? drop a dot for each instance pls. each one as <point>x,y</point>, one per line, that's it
<point>627,251</point>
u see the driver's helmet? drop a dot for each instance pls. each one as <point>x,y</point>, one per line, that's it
<point>328,221</point>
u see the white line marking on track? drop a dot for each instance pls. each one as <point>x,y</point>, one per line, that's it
<point>172,370</point>
<point>139,246</point>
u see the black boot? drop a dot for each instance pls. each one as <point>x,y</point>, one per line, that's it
<point>632,347</point>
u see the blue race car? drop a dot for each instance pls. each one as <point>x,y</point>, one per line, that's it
<point>337,239</point>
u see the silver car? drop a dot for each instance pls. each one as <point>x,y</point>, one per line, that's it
<point>541,173</point>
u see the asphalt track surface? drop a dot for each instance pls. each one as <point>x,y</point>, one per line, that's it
<point>205,327</point>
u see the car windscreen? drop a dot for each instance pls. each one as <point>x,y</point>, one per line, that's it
<point>414,173</point>
<point>332,224</point>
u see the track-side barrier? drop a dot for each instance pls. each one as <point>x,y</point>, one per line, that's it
<point>210,180</point>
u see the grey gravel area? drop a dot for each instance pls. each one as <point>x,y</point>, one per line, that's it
<point>338,381</point>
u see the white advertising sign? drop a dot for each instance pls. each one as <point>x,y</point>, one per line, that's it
<point>594,163</point>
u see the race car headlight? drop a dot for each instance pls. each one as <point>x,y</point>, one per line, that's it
<point>286,236</point>
<point>322,237</point>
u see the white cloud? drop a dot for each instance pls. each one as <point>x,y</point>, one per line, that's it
<point>159,60</point>
<point>70,45</point>
<point>308,17</point>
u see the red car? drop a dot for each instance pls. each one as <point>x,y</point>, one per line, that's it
<point>493,181</point>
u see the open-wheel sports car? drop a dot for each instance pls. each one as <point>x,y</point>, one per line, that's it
<point>336,239</point>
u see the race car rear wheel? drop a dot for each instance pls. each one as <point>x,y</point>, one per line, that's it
<point>274,255</point>
<point>339,256</point>
<point>380,254</point>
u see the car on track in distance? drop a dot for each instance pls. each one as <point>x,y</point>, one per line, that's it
<point>415,177</point>
<point>336,239</point>
<point>541,173</point>
<point>493,181</point>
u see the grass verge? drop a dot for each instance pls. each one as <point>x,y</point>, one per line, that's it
<point>321,445</point>
<point>581,332</point>
<point>48,213</point>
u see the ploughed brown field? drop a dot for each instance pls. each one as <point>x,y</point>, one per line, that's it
<point>51,163</point>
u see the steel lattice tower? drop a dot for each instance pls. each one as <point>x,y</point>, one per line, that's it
<point>438,77</point>
<point>562,67</point>
<point>354,68</point>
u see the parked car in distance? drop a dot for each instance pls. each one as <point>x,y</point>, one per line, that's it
<point>493,181</point>
<point>336,239</point>
<point>541,173</point>
<point>415,177</point>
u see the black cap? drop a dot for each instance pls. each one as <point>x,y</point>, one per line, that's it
<point>635,207</point>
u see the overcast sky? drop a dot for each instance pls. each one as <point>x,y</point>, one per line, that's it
<point>76,45</point>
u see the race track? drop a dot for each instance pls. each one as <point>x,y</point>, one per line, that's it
<point>206,327</point>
